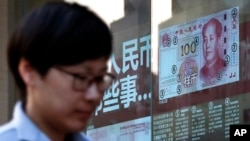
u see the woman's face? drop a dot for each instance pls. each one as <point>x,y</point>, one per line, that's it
<point>58,105</point>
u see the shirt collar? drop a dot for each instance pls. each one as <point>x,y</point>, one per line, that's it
<point>27,130</point>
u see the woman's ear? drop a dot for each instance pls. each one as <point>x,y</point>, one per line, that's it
<point>26,72</point>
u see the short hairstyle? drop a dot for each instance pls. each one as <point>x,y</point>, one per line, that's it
<point>57,33</point>
<point>216,23</point>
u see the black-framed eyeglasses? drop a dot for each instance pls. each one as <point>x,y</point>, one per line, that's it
<point>82,83</point>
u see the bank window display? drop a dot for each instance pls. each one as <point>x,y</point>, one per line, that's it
<point>182,72</point>
<point>202,71</point>
<point>124,112</point>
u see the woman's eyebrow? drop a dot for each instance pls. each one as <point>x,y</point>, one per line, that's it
<point>88,70</point>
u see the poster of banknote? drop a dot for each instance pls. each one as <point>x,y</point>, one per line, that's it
<point>200,54</point>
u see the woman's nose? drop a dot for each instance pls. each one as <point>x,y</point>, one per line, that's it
<point>93,93</point>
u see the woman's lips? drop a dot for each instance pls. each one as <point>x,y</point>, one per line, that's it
<point>84,114</point>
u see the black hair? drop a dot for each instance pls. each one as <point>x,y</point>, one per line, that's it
<point>216,23</point>
<point>57,33</point>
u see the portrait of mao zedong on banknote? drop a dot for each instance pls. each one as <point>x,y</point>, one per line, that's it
<point>214,65</point>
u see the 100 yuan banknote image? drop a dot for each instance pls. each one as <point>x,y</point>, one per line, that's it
<point>200,54</point>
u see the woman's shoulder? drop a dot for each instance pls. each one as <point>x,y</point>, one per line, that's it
<point>8,132</point>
